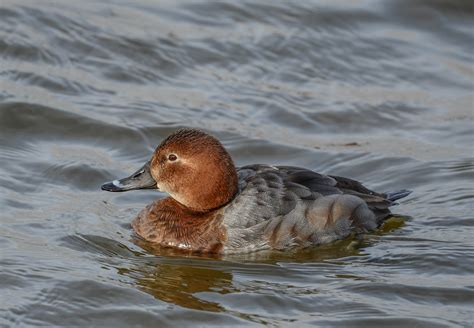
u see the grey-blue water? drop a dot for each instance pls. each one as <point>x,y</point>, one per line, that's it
<point>379,91</point>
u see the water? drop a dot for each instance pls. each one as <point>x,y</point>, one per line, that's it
<point>380,91</point>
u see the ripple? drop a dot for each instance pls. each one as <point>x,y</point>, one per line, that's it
<point>380,91</point>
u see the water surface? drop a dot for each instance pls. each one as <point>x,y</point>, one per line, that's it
<point>380,91</point>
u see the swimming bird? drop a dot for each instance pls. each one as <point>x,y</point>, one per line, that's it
<point>214,207</point>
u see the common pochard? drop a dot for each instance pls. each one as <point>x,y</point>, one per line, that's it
<point>217,208</point>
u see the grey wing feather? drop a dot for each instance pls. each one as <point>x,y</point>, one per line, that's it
<point>285,205</point>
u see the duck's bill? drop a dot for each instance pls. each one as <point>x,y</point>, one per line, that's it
<point>141,179</point>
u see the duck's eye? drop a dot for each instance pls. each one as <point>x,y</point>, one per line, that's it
<point>172,157</point>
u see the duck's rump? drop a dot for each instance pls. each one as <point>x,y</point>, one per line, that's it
<point>280,206</point>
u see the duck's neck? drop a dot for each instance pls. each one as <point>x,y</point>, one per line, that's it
<point>209,191</point>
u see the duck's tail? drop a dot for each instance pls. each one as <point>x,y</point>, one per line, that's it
<point>395,195</point>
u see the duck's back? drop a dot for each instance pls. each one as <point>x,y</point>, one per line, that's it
<point>279,207</point>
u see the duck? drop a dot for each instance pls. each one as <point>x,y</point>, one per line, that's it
<point>215,207</point>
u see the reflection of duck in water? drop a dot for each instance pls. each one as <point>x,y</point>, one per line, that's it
<point>177,283</point>
<point>198,283</point>
<point>217,209</point>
